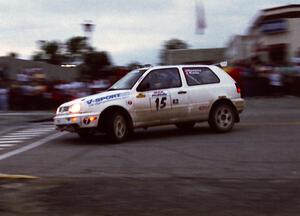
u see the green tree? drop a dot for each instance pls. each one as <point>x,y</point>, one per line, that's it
<point>13,55</point>
<point>93,64</point>
<point>77,46</point>
<point>50,52</point>
<point>96,64</point>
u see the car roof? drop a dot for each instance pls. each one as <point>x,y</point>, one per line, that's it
<point>168,66</point>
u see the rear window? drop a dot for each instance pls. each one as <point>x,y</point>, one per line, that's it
<point>200,76</point>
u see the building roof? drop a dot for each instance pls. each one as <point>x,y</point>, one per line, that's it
<point>282,7</point>
<point>275,13</point>
<point>12,66</point>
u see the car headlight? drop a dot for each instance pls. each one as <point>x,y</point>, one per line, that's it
<point>75,108</point>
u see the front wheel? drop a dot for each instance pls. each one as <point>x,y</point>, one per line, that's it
<point>118,127</point>
<point>222,118</point>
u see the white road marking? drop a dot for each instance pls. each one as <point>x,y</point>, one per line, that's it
<point>32,145</point>
<point>13,138</point>
<point>10,141</point>
<point>29,133</point>
<point>7,145</point>
<point>39,129</point>
<point>22,135</point>
<point>24,114</point>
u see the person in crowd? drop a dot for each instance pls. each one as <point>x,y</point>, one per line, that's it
<point>275,82</point>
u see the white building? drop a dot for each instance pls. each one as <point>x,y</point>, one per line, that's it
<point>273,37</point>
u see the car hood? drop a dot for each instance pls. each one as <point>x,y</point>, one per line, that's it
<point>99,98</point>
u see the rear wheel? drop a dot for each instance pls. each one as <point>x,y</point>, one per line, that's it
<point>185,126</point>
<point>118,127</point>
<point>222,118</point>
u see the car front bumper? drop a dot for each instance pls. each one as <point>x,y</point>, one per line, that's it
<point>73,122</point>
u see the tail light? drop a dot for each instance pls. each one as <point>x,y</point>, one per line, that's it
<point>238,88</point>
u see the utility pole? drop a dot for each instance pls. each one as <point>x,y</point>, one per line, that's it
<point>88,28</point>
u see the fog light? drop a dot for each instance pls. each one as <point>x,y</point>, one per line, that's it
<point>74,120</point>
<point>93,118</point>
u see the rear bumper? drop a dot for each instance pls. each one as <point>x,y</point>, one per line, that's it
<point>239,104</point>
<point>73,122</point>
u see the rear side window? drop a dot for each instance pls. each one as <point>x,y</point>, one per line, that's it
<point>200,76</point>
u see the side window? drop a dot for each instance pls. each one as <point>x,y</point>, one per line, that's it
<point>161,79</point>
<point>200,76</point>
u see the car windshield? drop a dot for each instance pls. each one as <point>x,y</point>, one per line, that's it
<point>128,81</point>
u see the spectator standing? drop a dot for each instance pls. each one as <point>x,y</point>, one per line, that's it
<point>3,97</point>
<point>275,81</point>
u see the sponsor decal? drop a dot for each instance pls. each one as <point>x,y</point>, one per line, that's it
<point>193,71</point>
<point>159,93</point>
<point>141,95</point>
<point>175,101</point>
<point>103,99</point>
<point>86,121</point>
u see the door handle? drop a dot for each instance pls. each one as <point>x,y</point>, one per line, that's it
<point>182,92</point>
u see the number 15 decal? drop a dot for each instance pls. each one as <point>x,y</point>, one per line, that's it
<point>160,103</point>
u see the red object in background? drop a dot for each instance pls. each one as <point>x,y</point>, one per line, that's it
<point>235,73</point>
<point>120,72</point>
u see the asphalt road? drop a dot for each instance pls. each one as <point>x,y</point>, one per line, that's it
<point>253,170</point>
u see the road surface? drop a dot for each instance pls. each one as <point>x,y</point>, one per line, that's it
<point>253,170</point>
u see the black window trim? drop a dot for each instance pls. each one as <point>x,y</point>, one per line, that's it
<point>178,71</point>
<point>201,83</point>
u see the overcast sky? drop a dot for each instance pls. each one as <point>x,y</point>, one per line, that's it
<point>130,30</point>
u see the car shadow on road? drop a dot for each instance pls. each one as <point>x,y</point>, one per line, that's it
<point>140,136</point>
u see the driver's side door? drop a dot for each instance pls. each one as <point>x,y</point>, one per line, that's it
<point>153,102</point>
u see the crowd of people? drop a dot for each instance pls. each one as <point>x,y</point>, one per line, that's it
<point>266,80</point>
<point>31,91</point>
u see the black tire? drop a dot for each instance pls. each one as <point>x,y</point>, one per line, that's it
<point>222,118</point>
<point>118,127</point>
<point>185,126</point>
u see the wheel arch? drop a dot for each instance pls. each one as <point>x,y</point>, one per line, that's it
<point>104,116</point>
<point>225,101</point>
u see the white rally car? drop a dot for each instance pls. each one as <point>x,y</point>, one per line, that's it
<point>180,95</point>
